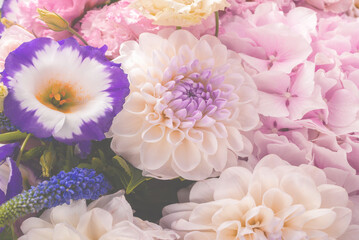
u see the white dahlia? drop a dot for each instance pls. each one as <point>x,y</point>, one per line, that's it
<point>108,218</point>
<point>190,103</point>
<point>276,201</point>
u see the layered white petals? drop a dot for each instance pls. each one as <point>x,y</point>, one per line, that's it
<point>109,217</point>
<point>190,103</point>
<point>275,201</point>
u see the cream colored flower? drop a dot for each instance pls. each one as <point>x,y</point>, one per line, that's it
<point>189,105</point>
<point>276,201</point>
<point>108,218</point>
<point>182,13</point>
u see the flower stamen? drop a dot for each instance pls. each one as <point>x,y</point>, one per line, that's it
<point>59,96</point>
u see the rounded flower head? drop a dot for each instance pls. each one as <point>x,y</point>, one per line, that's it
<point>182,13</point>
<point>108,218</point>
<point>189,105</point>
<point>275,201</point>
<point>63,90</point>
<point>114,24</point>
<point>12,38</point>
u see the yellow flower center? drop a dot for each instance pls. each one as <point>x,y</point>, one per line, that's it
<point>60,96</point>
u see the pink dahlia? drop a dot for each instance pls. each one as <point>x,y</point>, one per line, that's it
<point>190,105</point>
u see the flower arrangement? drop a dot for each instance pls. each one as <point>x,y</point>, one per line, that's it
<point>179,120</point>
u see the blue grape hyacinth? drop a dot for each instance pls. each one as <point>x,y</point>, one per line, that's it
<point>79,183</point>
<point>5,124</point>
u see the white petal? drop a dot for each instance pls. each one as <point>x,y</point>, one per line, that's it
<point>95,223</point>
<point>135,103</point>
<point>276,199</point>
<point>40,234</point>
<point>63,231</point>
<point>259,217</point>
<point>219,160</point>
<point>203,191</point>
<point>316,219</point>
<point>175,136</point>
<point>233,183</point>
<point>341,222</point>
<point>186,156</point>
<point>333,196</point>
<point>153,133</point>
<point>127,124</point>
<point>155,155</point>
<point>302,189</point>
<point>34,223</point>
<point>69,214</point>
<point>209,143</point>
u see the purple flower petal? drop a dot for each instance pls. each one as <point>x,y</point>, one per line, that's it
<point>101,85</point>
<point>14,186</point>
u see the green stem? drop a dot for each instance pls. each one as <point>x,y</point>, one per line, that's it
<point>178,27</point>
<point>217,23</point>
<point>14,237</point>
<point>18,160</point>
<point>12,136</point>
<point>71,30</point>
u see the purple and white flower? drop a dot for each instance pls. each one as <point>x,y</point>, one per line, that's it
<point>63,90</point>
<point>10,176</point>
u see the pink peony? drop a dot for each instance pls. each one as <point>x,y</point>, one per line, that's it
<point>113,25</point>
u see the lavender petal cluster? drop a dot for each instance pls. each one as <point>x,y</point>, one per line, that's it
<point>79,183</point>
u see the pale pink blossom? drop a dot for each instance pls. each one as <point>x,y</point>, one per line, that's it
<point>113,25</point>
<point>274,201</point>
<point>292,96</point>
<point>12,38</point>
<point>335,6</point>
<point>270,40</point>
<point>24,12</point>
<point>237,7</point>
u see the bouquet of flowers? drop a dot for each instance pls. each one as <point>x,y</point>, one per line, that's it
<point>179,119</point>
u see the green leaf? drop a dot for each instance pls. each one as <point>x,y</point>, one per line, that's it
<point>135,175</point>
<point>114,174</point>
<point>47,160</point>
<point>136,179</point>
<point>102,155</point>
<point>123,164</point>
<point>97,164</point>
<point>12,136</point>
<point>35,152</point>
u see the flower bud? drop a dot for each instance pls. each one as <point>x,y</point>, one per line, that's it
<point>3,94</point>
<point>54,21</point>
<point>7,23</point>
